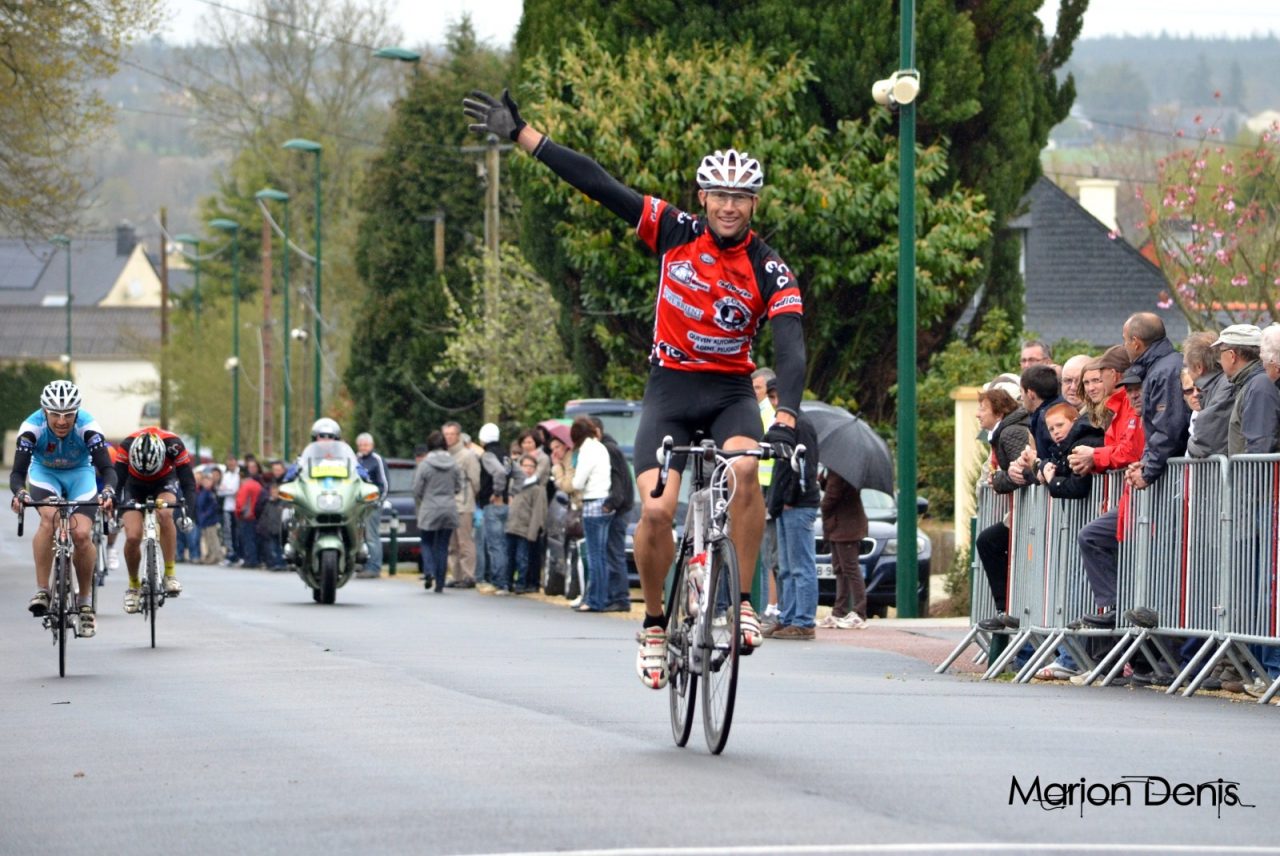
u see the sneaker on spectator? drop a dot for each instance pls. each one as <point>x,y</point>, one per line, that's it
<point>39,603</point>
<point>794,631</point>
<point>1257,688</point>
<point>752,638</point>
<point>771,628</point>
<point>88,626</point>
<point>651,657</point>
<point>999,621</point>
<point>486,588</point>
<point>1231,680</point>
<point>852,621</point>
<point>829,622</point>
<point>1103,619</point>
<point>172,588</point>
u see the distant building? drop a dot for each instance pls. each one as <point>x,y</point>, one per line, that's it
<point>1082,279</point>
<point>115,319</point>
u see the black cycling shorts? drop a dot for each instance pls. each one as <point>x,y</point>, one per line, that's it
<point>678,403</point>
<point>137,490</point>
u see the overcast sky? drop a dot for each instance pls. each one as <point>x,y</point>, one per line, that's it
<point>496,20</point>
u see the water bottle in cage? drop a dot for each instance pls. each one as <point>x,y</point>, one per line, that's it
<point>697,579</point>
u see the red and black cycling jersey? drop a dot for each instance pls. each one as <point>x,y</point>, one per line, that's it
<point>712,296</point>
<point>175,455</point>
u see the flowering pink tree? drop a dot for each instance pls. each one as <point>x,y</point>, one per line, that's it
<point>1215,226</point>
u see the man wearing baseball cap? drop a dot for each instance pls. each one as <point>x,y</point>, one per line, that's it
<point>1255,416</point>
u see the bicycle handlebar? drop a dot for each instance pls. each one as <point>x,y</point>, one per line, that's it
<point>708,449</point>
<point>49,502</point>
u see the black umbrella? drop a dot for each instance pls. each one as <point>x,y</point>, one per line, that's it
<point>850,447</point>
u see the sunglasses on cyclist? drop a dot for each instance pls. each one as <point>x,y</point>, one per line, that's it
<point>725,197</point>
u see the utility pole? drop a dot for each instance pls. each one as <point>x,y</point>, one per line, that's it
<point>268,397</point>
<point>439,235</point>
<point>164,320</point>
<point>492,274</point>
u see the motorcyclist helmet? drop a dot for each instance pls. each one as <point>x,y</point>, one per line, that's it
<point>325,428</point>
<point>732,170</point>
<point>146,454</point>
<point>60,396</point>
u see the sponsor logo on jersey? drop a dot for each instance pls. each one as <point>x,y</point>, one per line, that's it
<point>731,314</point>
<point>50,448</point>
<point>653,209</point>
<point>683,273</point>
<point>707,259</point>
<point>733,289</point>
<point>671,352</point>
<point>679,303</point>
<point>776,266</point>
<point>787,302</point>
<point>718,344</point>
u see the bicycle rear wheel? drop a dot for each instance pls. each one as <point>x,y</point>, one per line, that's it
<point>718,637</point>
<point>62,569</point>
<point>682,687</point>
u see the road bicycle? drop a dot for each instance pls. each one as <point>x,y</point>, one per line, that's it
<point>64,587</point>
<point>151,595</point>
<point>703,622</point>
<point>102,528</point>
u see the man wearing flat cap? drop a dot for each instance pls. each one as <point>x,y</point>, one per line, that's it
<point>1255,416</point>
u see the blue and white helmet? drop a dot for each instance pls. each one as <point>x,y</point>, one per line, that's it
<point>60,396</point>
<point>732,170</point>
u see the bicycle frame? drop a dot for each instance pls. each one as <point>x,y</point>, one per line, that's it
<point>152,594</point>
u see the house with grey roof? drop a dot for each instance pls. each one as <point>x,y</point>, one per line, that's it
<point>1082,279</point>
<point>114,292</point>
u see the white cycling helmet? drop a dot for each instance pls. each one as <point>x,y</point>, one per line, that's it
<point>731,170</point>
<point>146,454</point>
<point>60,396</point>
<point>326,427</point>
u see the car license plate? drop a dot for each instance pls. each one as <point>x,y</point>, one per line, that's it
<point>825,570</point>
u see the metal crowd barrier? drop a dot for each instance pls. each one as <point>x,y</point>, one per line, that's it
<point>1200,547</point>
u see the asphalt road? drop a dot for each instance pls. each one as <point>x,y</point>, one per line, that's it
<point>400,721</point>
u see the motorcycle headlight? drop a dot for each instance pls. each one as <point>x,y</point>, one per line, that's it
<point>329,502</point>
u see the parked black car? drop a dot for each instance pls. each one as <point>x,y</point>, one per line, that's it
<point>878,556</point>
<point>401,514</point>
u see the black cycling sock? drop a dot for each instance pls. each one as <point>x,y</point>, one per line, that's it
<point>746,598</point>
<point>654,621</point>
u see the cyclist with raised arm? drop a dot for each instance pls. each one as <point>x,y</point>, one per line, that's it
<point>155,463</point>
<point>717,283</point>
<point>62,453</point>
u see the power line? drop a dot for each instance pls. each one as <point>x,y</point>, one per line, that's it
<point>1169,134</point>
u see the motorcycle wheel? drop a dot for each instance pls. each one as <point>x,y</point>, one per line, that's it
<point>328,576</point>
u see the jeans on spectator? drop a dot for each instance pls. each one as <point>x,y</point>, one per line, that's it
<point>616,550</point>
<point>248,540</point>
<point>797,567</point>
<point>517,562</point>
<point>495,545</point>
<point>188,546</point>
<point>373,540</point>
<point>1100,554</point>
<point>271,551</point>
<point>482,546</point>
<point>435,554</point>
<point>230,531</point>
<point>596,529</point>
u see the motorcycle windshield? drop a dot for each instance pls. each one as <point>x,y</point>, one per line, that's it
<point>328,468</point>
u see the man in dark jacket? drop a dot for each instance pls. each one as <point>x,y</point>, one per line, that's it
<point>793,503</point>
<point>1255,412</point>
<point>844,525</point>
<point>377,470</point>
<point>1040,391</point>
<point>1165,415</point>
<point>621,499</point>
<point>491,498</point>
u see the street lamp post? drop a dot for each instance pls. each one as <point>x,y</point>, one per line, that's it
<point>233,364</point>
<point>315,149</point>
<point>282,197</point>
<point>186,238</point>
<point>65,242</point>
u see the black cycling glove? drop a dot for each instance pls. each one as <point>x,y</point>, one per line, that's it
<point>493,116</point>
<point>781,437</point>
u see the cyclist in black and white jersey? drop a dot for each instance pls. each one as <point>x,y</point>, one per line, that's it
<point>717,283</point>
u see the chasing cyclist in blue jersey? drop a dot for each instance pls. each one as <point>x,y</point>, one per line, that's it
<point>62,453</point>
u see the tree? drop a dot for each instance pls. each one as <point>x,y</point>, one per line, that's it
<point>20,386</point>
<point>48,115</point>
<point>395,376</point>
<point>829,204</point>
<point>1215,226</point>
<point>990,97</point>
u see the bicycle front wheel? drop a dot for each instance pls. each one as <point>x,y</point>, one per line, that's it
<point>152,587</point>
<point>682,686</point>
<point>718,637</point>
<point>64,609</point>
